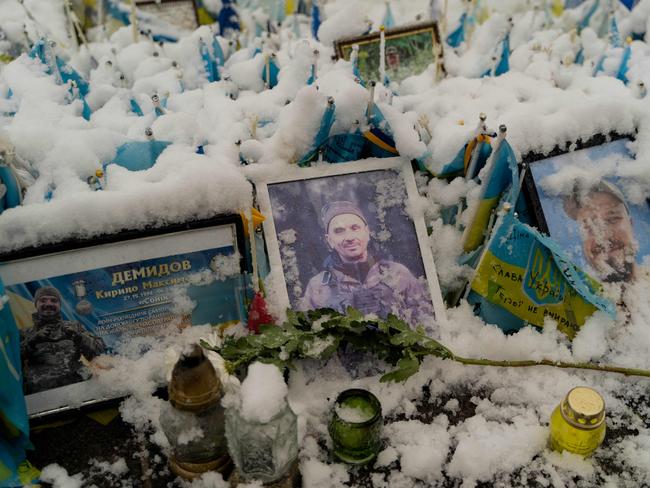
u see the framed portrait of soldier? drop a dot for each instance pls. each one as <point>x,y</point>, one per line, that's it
<point>79,300</point>
<point>409,51</point>
<point>347,235</point>
<point>589,202</point>
<point>181,14</point>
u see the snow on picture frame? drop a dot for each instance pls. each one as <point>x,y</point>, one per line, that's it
<point>588,201</point>
<point>409,51</point>
<point>349,235</point>
<point>93,297</point>
<point>178,13</point>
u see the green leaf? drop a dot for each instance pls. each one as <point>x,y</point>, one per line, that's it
<point>406,338</point>
<point>406,367</point>
<point>273,336</point>
<point>353,314</point>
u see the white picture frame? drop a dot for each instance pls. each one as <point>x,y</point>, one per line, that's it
<point>319,173</point>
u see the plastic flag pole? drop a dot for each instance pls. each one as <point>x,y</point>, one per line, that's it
<point>155,99</point>
<point>134,22</point>
<point>371,101</point>
<point>267,67</point>
<point>480,129</point>
<point>382,54</point>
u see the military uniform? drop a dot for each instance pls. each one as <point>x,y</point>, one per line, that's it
<point>51,352</point>
<point>373,287</point>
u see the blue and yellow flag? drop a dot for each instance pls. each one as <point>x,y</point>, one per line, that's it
<point>460,164</point>
<point>503,174</point>
<point>524,277</point>
<point>15,470</point>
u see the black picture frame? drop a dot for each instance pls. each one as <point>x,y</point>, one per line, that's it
<point>48,402</point>
<point>587,210</point>
<point>529,187</point>
<point>154,7</point>
<point>343,46</point>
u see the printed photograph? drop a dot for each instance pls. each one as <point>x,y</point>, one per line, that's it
<point>600,218</point>
<point>408,53</point>
<point>348,241</point>
<point>67,320</point>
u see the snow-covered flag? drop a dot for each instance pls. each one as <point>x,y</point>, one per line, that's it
<point>315,19</point>
<point>326,122</point>
<point>523,278</point>
<point>270,72</point>
<point>15,470</point>
<point>10,191</point>
<point>389,18</point>
<point>499,185</point>
<point>228,18</point>
<point>461,162</point>
<point>138,155</point>
<point>457,36</point>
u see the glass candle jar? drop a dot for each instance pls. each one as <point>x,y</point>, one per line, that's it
<point>193,420</point>
<point>263,451</point>
<point>355,426</point>
<point>578,422</point>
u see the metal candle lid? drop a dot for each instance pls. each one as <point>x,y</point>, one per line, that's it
<point>583,408</point>
<point>194,385</point>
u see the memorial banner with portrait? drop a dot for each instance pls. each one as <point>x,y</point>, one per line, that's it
<point>598,216</point>
<point>346,236</point>
<point>77,304</point>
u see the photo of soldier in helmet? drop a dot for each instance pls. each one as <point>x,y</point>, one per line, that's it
<point>52,349</point>
<point>353,277</point>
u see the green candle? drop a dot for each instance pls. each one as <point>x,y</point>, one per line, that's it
<point>355,426</point>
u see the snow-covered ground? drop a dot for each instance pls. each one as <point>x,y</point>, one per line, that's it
<point>491,424</point>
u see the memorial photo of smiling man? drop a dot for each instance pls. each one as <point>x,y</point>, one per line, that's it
<point>352,276</point>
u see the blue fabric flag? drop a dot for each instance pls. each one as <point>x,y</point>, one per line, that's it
<point>312,75</point>
<point>457,36</point>
<point>273,70</point>
<point>315,19</point>
<point>322,135</point>
<point>228,18</point>
<point>14,425</point>
<point>12,194</point>
<point>114,9</point>
<point>209,65</point>
<point>586,20</point>
<point>217,52</point>
<point>380,136</point>
<point>138,155</point>
<point>342,148</point>
<point>503,66</point>
<point>63,73</point>
<point>580,56</point>
<point>460,164</point>
<point>135,108</point>
<point>623,67</point>
<point>389,19</point>
<point>629,4</point>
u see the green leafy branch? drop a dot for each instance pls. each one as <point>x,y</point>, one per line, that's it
<point>319,334</point>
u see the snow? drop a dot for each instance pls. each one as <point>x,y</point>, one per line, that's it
<point>491,424</point>
<point>263,393</point>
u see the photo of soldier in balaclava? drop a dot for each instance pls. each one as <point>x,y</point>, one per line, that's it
<point>52,349</point>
